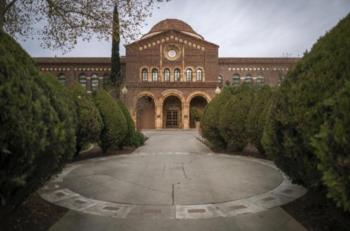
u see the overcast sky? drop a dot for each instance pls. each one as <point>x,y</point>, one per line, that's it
<point>242,28</point>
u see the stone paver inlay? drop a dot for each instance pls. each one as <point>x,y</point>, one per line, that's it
<point>178,185</point>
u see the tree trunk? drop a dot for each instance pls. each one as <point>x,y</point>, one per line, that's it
<point>116,77</point>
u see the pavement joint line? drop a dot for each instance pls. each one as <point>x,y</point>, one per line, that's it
<point>285,192</point>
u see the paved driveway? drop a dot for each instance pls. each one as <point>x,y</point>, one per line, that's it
<point>173,182</point>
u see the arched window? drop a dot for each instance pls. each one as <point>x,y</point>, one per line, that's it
<point>199,75</point>
<point>189,75</point>
<point>260,81</point>
<point>154,74</point>
<point>177,75</point>
<point>248,80</point>
<point>144,75</point>
<point>94,82</point>
<point>236,80</point>
<point>62,79</point>
<point>82,80</point>
<point>166,75</point>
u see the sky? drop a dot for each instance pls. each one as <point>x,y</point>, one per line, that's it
<point>242,28</point>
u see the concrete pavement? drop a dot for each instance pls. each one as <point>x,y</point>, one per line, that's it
<point>174,183</point>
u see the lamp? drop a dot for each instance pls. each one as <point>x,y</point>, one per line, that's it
<point>124,90</point>
<point>217,90</point>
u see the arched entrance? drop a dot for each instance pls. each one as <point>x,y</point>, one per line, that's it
<point>197,105</point>
<point>172,112</point>
<point>145,113</point>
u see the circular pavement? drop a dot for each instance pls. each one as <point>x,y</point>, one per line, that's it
<point>177,185</point>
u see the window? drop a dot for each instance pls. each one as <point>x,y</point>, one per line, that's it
<point>82,80</point>
<point>199,76</point>
<point>62,79</point>
<point>248,80</point>
<point>166,75</point>
<point>177,76</point>
<point>188,75</point>
<point>94,82</point>
<point>236,80</point>
<point>260,81</point>
<point>220,80</point>
<point>154,75</point>
<point>144,75</point>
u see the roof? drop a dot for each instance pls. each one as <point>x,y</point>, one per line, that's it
<point>172,24</point>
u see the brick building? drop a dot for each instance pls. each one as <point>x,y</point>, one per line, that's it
<point>168,71</point>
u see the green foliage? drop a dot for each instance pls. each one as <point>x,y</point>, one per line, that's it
<point>210,119</point>
<point>133,137</point>
<point>332,145</point>
<point>196,114</point>
<point>115,59</point>
<point>60,101</point>
<point>306,123</point>
<point>89,122</point>
<point>233,117</point>
<point>115,127</point>
<point>256,118</point>
<point>36,126</point>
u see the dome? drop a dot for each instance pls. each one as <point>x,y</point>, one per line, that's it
<point>172,24</point>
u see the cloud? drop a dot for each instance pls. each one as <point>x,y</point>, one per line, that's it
<point>254,28</point>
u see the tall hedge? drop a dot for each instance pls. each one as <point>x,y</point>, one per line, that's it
<point>211,116</point>
<point>133,138</point>
<point>233,116</point>
<point>257,116</point>
<point>115,127</point>
<point>332,145</point>
<point>89,122</point>
<point>305,109</point>
<point>36,126</point>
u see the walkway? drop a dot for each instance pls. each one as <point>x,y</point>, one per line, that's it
<point>173,183</point>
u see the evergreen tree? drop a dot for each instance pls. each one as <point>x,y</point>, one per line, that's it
<point>114,123</point>
<point>115,69</point>
<point>89,122</point>
<point>307,133</point>
<point>37,126</point>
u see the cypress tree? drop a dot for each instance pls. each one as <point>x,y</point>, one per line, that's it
<point>115,69</point>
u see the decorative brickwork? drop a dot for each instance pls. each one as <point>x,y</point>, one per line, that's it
<point>170,60</point>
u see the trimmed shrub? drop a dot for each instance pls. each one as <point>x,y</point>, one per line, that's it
<point>196,114</point>
<point>305,109</point>
<point>115,127</point>
<point>210,119</point>
<point>233,117</point>
<point>36,126</point>
<point>133,138</point>
<point>60,101</point>
<point>256,118</point>
<point>89,122</point>
<point>332,145</point>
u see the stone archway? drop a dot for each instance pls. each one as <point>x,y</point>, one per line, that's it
<point>197,106</point>
<point>198,100</point>
<point>145,112</point>
<point>172,112</point>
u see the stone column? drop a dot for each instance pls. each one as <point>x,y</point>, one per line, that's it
<point>159,116</point>
<point>186,116</point>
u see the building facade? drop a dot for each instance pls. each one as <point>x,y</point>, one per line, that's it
<point>170,70</point>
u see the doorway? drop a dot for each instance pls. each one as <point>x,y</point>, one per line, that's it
<point>172,112</point>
